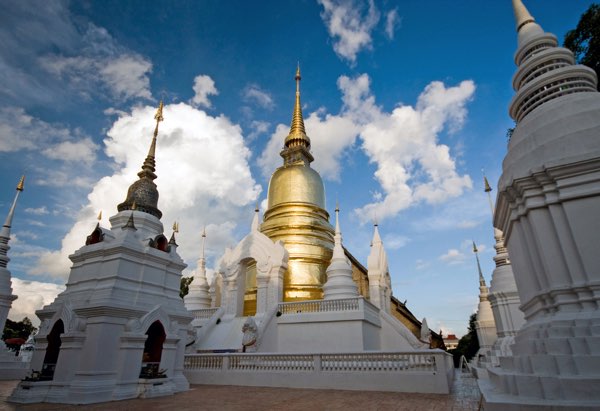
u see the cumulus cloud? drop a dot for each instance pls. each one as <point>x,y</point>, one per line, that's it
<point>392,20</point>
<point>203,179</point>
<point>252,93</point>
<point>453,256</point>
<point>204,86</point>
<point>32,295</point>
<point>412,166</point>
<point>350,25</point>
<point>395,241</point>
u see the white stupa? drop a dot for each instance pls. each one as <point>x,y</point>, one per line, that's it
<point>11,367</point>
<point>119,329</point>
<point>503,296</point>
<point>547,208</point>
<point>484,325</point>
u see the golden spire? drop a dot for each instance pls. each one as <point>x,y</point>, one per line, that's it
<point>21,184</point>
<point>100,215</point>
<point>297,127</point>
<point>297,143</point>
<point>176,226</point>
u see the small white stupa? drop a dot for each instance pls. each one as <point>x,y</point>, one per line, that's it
<point>119,329</point>
<point>484,325</point>
<point>11,367</point>
<point>503,296</point>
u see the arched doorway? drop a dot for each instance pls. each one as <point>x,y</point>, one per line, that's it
<point>52,350</point>
<point>250,290</point>
<point>153,350</point>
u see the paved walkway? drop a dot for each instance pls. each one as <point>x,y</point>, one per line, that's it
<point>465,396</point>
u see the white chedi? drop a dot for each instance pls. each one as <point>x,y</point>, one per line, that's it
<point>339,273</point>
<point>198,296</point>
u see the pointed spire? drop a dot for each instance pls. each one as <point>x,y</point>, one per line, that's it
<point>198,296</point>
<point>256,219</point>
<point>522,15</point>
<point>9,217</point>
<point>5,232</point>
<point>297,143</point>
<point>99,218</point>
<point>339,272</point>
<point>143,193</point>
<point>481,278</point>
<point>172,240</point>
<point>376,237</point>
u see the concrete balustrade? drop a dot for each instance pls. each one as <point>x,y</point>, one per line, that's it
<point>427,371</point>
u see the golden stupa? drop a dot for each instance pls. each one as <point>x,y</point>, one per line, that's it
<point>296,214</point>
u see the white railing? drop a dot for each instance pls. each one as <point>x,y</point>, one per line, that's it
<point>320,306</point>
<point>384,362</point>
<point>204,313</point>
<point>427,371</point>
<point>272,362</point>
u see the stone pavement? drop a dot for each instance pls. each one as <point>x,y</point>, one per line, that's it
<point>465,396</point>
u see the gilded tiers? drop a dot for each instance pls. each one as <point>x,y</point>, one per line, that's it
<point>296,214</point>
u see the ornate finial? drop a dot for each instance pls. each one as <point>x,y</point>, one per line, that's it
<point>175,227</point>
<point>172,240</point>
<point>337,218</point>
<point>297,143</point>
<point>486,184</point>
<point>256,208</point>
<point>99,218</point>
<point>144,190</point>
<point>21,184</point>
<point>474,247</point>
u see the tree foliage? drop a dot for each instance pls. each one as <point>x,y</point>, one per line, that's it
<point>468,345</point>
<point>17,329</point>
<point>184,286</point>
<point>584,40</point>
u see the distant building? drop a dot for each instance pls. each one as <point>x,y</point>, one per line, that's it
<point>451,342</point>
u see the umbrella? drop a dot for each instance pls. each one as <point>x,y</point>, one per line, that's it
<point>15,341</point>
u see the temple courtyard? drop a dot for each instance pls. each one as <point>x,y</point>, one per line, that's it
<point>464,396</point>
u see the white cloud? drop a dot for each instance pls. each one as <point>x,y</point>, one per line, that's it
<point>52,148</point>
<point>37,211</point>
<point>392,20</point>
<point>32,295</point>
<point>412,166</point>
<point>204,86</point>
<point>453,256</point>
<point>78,151</point>
<point>127,76</point>
<point>99,64</point>
<point>203,178</point>
<point>253,93</point>
<point>258,128</point>
<point>395,241</point>
<point>349,25</point>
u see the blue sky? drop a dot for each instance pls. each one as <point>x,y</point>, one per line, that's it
<point>405,103</point>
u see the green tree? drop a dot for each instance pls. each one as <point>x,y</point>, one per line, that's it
<point>17,329</point>
<point>468,345</point>
<point>584,40</point>
<point>184,286</point>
